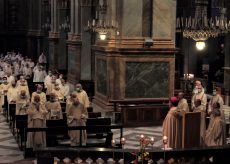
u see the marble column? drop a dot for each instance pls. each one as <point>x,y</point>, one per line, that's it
<point>35,32</point>
<point>132,18</point>
<point>54,37</point>
<point>74,44</point>
<point>164,19</point>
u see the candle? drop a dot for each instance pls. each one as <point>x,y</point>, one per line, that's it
<point>165,139</point>
<point>93,22</point>
<point>113,143</point>
<point>152,140</point>
<point>122,141</point>
<point>142,138</point>
<point>88,23</point>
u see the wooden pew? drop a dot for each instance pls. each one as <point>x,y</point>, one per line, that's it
<point>53,135</point>
<point>141,112</point>
<point>57,129</point>
<point>90,129</point>
<point>21,124</point>
<point>94,114</point>
<point>12,111</point>
<point>99,133</point>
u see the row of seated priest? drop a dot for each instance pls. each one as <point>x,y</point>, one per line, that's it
<point>39,110</point>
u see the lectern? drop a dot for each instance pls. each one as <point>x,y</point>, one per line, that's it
<point>191,129</point>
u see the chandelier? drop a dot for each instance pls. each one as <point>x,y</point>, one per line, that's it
<point>199,27</point>
<point>101,27</point>
<point>65,26</point>
<point>99,24</point>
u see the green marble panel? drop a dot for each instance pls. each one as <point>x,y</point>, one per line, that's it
<point>147,79</point>
<point>101,74</point>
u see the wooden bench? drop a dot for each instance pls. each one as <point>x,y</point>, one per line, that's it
<point>141,112</point>
<point>91,129</point>
<point>58,130</point>
<point>21,122</point>
<point>94,114</point>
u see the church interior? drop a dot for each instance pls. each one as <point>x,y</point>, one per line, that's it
<point>114,81</point>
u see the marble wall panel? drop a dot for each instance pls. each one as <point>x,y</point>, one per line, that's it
<point>132,18</point>
<point>101,76</point>
<point>147,79</point>
<point>164,18</point>
<point>74,63</point>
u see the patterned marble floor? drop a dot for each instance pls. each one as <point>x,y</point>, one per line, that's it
<point>9,151</point>
<point>132,136</point>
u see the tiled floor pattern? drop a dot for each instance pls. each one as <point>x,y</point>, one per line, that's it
<point>9,151</point>
<point>132,136</point>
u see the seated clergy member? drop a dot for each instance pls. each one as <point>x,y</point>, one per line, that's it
<point>22,85</point>
<point>39,75</point>
<point>54,108</point>
<point>82,96</point>
<point>58,92</point>
<point>39,93</point>
<point>22,100</point>
<point>215,134</point>
<point>36,119</point>
<point>65,88</point>
<point>199,108</point>
<point>51,86</point>
<point>216,98</point>
<point>182,103</point>
<point>12,93</point>
<point>76,116</point>
<point>3,92</point>
<point>171,127</point>
<point>22,80</point>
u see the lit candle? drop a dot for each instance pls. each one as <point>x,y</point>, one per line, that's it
<point>122,141</point>
<point>113,143</point>
<point>165,139</point>
<point>142,138</point>
<point>152,140</point>
<point>93,22</point>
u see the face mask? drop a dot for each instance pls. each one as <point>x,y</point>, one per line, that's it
<point>39,91</point>
<point>78,89</point>
<point>23,96</point>
<point>214,93</point>
<point>195,90</point>
<point>52,99</point>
